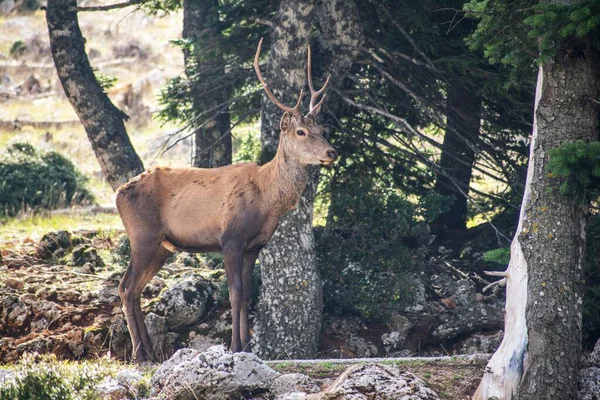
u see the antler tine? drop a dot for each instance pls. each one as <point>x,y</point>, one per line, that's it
<point>270,94</point>
<point>314,95</point>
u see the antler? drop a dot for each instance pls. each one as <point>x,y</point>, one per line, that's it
<point>294,110</point>
<point>314,95</point>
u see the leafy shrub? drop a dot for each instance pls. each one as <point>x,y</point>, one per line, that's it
<point>364,265</point>
<point>500,255</point>
<point>44,377</point>
<point>30,179</point>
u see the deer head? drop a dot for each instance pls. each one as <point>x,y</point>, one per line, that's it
<point>301,136</point>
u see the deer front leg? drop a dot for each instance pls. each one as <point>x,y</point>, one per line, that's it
<point>233,270</point>
<point>248,267</point>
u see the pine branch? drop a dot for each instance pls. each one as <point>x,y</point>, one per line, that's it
<point>109,7</point>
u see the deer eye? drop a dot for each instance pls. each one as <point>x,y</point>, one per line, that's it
<point>300,132</point>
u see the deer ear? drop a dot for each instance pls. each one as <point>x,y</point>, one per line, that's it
<point>285,122</point>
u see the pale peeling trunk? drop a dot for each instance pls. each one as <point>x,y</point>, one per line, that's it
<point>212,132</point>
<point>103,122</point>
<point>539,356</point>
<point>289,311</point>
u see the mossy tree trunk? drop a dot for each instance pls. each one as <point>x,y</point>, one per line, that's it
<point>103,122</point>
<point>538,358</point>
<point>289,311</point>
<point>212,130</point>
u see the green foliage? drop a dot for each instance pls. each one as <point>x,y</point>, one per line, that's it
<point>121,253</point>
<point>364,265</point>
<point>500,255</point>
<point>30,179</point>
<point>517,33</point>
<point>44,377</point>
<point>575,166</point>
<point>249,150</point>
<point>17,49</point>
<point>105,81</point>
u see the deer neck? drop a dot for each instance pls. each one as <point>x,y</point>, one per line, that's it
<point>284,180</point>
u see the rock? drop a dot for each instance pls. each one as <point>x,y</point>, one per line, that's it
<point>130,379</point>
<point>85,254</point>
<point>594,357</point>
<point>395,340</point>
<point>163,341</point>
<point>154,287</point>
<point>463,321</point>
<point>392,341</point>
<point>15,315</point>
<point>111,389</point>
<point>478,343</point>
<point>14,283</point>
<point>289,384</point>
<point>376,381</point>
<point>589,384</point>
<point>184,303</point>
<point>54,244</point>
<point>359,347</point>
<point>419,300</point>
<point>202,342</point>
<point>119,343</point>
<point>214,374</point>
<point>187,260</point>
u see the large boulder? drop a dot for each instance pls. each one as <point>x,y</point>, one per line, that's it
<point>375,382</point>
<point>184,303</point>
<point>215,374</point>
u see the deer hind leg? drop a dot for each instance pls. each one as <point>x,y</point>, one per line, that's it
<point>147,257</point>
<point>248,267</point>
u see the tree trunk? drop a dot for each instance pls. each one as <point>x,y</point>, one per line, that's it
<point>289,311</point>
<point>538,358</point>
<point>458,153</point>
<point>212,136</point>
<point>103,122</point>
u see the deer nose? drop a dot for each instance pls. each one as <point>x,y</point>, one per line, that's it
<point>332,154</point>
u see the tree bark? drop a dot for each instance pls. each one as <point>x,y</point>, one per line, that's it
<point>289,310</point>
<point>539,356</point>
<point>458,153</point>
<point>103,122</point>
<point>212,133</point>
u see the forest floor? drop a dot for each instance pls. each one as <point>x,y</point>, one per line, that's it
<point>64,304</point>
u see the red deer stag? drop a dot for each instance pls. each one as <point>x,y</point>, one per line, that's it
<point>234,209</point>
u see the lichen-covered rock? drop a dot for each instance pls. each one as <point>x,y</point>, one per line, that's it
<point>289,384</point>
<point>111,389</point>
<point>130,379</point>
<point>479,343</point>
<point>15,315</point>
<point>119,343</point>
<point>589,384</point>
<point>85,254</point>
<point>214,374</point>
<point>376,382</point>
<point>594,357</point>
<point>54,244</point>
<point>184,303</point>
